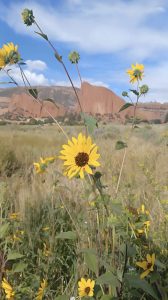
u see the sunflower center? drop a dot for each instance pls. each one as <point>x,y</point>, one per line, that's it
<point>137,73</point>
<point>149,265</point>
<point>87,290</point>
<point>82,159</point>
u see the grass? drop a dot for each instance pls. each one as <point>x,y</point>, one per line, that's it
<point>52,201</point>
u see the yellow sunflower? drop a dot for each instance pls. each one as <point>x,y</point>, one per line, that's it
<point>86,287</point>
<point>41,290</point>
<point>2,58</point>
<point>136,73</point>
<point>79,155</point>
<point>147,265</point>
<point>8,289</point>
<point>11,53</point>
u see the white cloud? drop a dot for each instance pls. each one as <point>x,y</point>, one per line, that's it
<point>37,65</point>
<point>35,78</point>
<point>99,27</point>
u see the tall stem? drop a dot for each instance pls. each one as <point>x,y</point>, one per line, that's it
<point>79,73</point>
<point>24,78</point>
<point>61,61</point>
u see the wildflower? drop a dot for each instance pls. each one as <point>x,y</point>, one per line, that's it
<point>41,290</point>
<point>27,17</point>
<point>147,265</point>
<point>74,57</point>
<point>79,155</point>
<point>46,251</point>
<point>2,58</point>
<point>86,287</point>
<point>8,289</point>
<point>142,210</point>
<point>46,228</point>
<point>14,216</point>
<point>136,73</point>
<point>40,167</point>
<point>49,160</point>
<point>11,54</point>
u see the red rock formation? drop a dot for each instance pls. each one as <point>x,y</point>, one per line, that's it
<point>25,105</point>
<point>99,100</point>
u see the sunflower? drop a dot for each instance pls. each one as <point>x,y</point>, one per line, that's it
<point>8,289</point>
<point>11,53</point>
<point>86,287</point>
<point>2,58</point>
<point>136,73</point>
<point>147,265</point>
<point>79,155</point>
<point>41,290</point>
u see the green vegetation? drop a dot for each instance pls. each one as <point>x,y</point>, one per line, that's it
<point>60,230</point>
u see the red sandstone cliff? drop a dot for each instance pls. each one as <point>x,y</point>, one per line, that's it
<point>94,100</point>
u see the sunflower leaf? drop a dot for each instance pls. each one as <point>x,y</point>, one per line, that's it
<point>135,92</point>
<point>33,93</point>
<point>14,255</point>
<point>44,36</point>
<point>108,278</point>
<point>125,106</point>
<point>91,260</point>
<point>134,281</point>
<point>90,122</point>
<point>69,235</point>
<point>4,230</point>
<point>120,145</point>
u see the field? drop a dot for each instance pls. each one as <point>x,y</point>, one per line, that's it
<point>56,230</point>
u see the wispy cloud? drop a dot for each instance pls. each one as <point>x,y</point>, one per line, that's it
<point>96,26</point>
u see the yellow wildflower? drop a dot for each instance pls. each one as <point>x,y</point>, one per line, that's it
<point>11,54</point>
<point>8,289</point>
<point>147,265</point>
<point>86,287</point>
<point>142,210</point>
<point>46,251</point>
<point>136,73</point>
<point>14,216</point>
<point>2,58</point>
<point>41,290</point>
<point>79,155</point>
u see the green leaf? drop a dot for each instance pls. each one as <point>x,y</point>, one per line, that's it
<point>4,230</point>
<point>134,281</point>
<point>120,145</point>
<point>107,297</point>
<point>14,255</point>
<point>91,123</point>
<point>19,267</point>
<point>52,101</point>
<point>33,93</point>
<point>108,278</point>
<point>62,297</point>
<point>69,235</point>
<point>135,92</point>
<point>91,260</point>
<point>44,36</point>
<point>125,106</point>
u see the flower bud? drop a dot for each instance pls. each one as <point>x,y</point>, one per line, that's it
<point>27,17</point>
<point>124,94</point>
<point>74,57</point>
<point>144,89</point>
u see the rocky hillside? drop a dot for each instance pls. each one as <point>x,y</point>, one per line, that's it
<point>15,103</point>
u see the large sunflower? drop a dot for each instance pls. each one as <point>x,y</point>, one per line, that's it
<point>147,265</point>
<point>79,155</point>
<point>8,289</point>
<point>2,58</point>
<point>86,287</point>
<point>136,73</point>
<point>11,53</point>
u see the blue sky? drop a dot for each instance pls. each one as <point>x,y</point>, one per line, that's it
<point>110,35</point>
